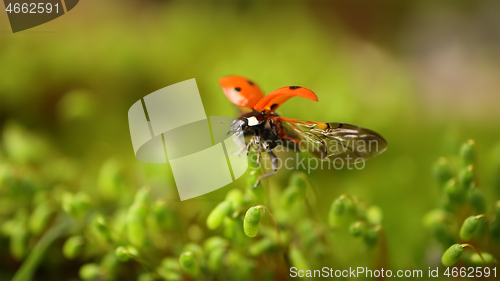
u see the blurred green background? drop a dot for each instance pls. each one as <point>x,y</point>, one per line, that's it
<point>424,74</point>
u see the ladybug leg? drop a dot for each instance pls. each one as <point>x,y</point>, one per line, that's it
<point>274,164</point>
<point>241,145</point>
<point>249,145</point>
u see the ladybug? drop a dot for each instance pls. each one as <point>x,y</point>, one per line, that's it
<point>266,129</point>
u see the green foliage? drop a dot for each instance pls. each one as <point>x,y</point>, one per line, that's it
<point>443,171</point>
<point>468,152</point>
<point>218,214</point>
<point>73,247</point>
<point>122,254</point>
<point>451,256</point>
<point>357,229</point>
<point>476,260</point>
<point>66,157</point>
<point>136,216</point>
<point>251,222</point>
<point>337,210</point>
<point>90,271</point>
<point>463,198</point>
<point>297,258</point>
<point>469,227</point>
<point>189,263</point>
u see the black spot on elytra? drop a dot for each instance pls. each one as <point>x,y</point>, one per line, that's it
<point>274,106</point>
<point>294,87</point>
<point>250,82</point>
<point>237,89</point>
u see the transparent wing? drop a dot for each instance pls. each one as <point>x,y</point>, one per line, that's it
<point>329,141</point>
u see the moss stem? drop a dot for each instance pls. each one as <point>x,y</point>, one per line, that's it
<point>474,248</point>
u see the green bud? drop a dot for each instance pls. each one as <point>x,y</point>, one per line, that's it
<point>67,203</point>
<point>262,246</point>
<point>337,209</point>
<point>350,207</point>
<point>101,225</point>
<point>110,179</point>
<point>290,196</point>
<point>235,196</point>
<point>73,247</point>
<point>189,264</point>
<point>482,229</point>
<point>435,221</point>
<point>443,171</point>
<point>297,259</point>
<point>109,262</point>
<point>238,265</point>
<point>164,216</point>
<point>82,203</point>
<point>214,260</point>
<point>371,237</point>
<point>357,229</point>
<point>142,195</point>
<point>75,205</point>
<point>214,242</point>
<point>76,105</point>
<point>468,152</point>
<point>338,206</point>
<point>229,227</point>
<point>169,269</point>
<point>374,215</point>
<point>218,214</point>
<point>89,271</point>
<point>454,191</point>
<point>476,260</point>
<point>40,218</point>
<point>451,256</point>
<point>23,146</point>
<point>299,180</point>
<point>146,277</point>
<point>476,200</point>
<point>468,228</point>
<point>251,221</point>
<point>194,248</point>
<point>136,217</point>
<point>122,254</point>
<point>8,226</point>
<point>466,177</point>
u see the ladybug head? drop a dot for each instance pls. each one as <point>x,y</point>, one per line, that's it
<point>238,126</point>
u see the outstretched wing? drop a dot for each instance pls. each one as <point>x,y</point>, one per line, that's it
<point>330,141</point>
<point>276,98</point>
<point>241,91</point>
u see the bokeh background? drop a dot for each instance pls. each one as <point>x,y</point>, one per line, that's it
<point>424,74</point>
